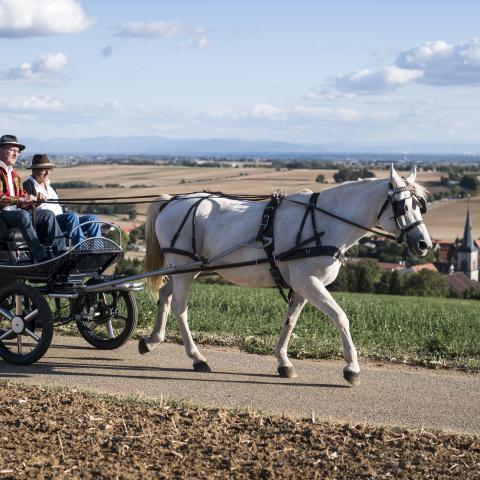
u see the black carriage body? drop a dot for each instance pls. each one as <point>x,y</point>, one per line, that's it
<point>89,258</point>
<point>26,320</point>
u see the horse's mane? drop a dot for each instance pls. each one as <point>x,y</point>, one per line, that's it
<point>417,189</point>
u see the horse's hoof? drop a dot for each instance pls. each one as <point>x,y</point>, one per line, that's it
<point>351,377</point>
<point>202,367</point>
<point>287,372</point>
<point>143,346</point>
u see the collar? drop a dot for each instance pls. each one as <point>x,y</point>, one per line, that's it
<point>7,168</point>
<point>37,185</point>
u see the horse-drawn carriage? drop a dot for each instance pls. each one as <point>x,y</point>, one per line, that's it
<point>35,297</point>
<point>216,232</point>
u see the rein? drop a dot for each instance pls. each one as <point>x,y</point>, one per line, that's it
<point>345,220</point>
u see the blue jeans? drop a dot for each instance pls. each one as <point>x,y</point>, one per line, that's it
<point>46,231</point>
<point>69,221</point>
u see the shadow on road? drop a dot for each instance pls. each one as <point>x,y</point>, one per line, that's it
<point>138,372</point>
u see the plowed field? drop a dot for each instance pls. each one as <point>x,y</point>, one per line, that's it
<point>68,434</point>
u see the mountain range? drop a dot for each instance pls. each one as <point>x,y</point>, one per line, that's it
<point>164,146</point>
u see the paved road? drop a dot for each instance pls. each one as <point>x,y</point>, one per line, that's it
<point>395,395</point>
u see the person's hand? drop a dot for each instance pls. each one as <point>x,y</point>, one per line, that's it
<point>26,202</point>
<point>41,197</point>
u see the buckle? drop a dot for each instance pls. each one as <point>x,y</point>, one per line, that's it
<point>265,220</point>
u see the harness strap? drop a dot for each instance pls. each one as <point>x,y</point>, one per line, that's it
<point>266,236</point>
<point>193,208</point>
<point>186,253</point>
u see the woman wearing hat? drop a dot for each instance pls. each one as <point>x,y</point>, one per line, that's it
<point>39,184</point>
<point>15,204</point>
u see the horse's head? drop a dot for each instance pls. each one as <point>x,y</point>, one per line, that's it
<point>402,212</point>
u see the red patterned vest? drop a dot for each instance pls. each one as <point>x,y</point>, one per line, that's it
<point>6,196</point>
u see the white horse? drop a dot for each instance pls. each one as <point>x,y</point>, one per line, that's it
<point>225,232</point>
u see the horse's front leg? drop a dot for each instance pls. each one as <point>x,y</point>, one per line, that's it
<point>316,293</point>
<point>285,368</point>
<point>147,344</point>
<point>182,284</point>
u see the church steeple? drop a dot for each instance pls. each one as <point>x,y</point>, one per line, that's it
<point>467,256</point>
<point>467,243</point>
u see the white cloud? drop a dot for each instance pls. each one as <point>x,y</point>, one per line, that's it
<point>444,64</point>
<point>433,63</point>
<point>327,95</point>
<point>199,42</point>
<point>165,29</point>
<point>385,79</point>
<point>159,29</point>
<point>152,29</point>
<point>38,69</point>
<point>29,18</point>
<point>31,104</point>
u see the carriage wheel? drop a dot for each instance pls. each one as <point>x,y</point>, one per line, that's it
<point>26,324</point>
<point>108,318</point>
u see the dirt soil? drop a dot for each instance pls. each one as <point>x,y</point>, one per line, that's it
<point>64,433</point>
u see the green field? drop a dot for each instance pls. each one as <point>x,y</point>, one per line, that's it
<point>427,331</point>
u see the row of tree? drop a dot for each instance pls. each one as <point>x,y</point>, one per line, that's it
<point>367,277</point>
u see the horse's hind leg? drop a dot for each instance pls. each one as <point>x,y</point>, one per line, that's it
<point>285,368</point>
<point>182,284</point>
<point>147,344</point>
<point>316,293</point>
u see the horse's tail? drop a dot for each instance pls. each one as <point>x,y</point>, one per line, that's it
<point>154,258</point>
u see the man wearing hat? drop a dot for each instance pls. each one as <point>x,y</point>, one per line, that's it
<point>39,184</point>
<point>16,205</point>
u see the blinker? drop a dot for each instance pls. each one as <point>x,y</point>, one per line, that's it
<point>399,208</point>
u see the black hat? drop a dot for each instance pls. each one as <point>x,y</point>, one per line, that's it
<point>41,160</point>
<point>10,140</point>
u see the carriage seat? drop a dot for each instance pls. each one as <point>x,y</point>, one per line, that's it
<point>10,238</point>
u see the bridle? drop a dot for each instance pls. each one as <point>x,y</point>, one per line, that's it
<point>400,208</point>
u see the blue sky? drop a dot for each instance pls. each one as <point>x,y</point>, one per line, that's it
<point>367,72</point>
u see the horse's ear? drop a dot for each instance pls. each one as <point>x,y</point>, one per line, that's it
<point>412,175</point>
<point>395,179</point>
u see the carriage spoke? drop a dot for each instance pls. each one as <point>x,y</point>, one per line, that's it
<point>32,334</point>
<point>19,344</point>
<point>6,334</point>
<point>18,304</point>
<point>31,315</point>
<point>6,313</point>
<point>110,331</point>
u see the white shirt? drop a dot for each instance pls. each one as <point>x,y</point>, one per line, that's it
<point>11,187</point>
<point>51,194</point>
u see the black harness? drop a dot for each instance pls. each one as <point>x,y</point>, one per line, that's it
<point>399,207</point>
<point>299,250</point>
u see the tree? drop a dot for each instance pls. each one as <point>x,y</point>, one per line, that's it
<point>426,284</point>
<point>392,251</point>
<point>320,178</point>
<point>367,275</point>
<point>383,286</point>
<point>469,182</point>
<point>396,283</point>
<point>344,174</point>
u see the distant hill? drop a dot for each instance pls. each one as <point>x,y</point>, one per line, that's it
<point>158,145</point>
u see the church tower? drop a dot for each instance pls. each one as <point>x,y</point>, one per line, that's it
<point>467,256</point>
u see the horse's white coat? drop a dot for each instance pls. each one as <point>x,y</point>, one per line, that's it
<point>222,223</point>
